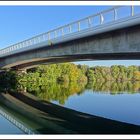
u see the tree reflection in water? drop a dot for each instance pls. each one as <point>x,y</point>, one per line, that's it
<point>60,92</point>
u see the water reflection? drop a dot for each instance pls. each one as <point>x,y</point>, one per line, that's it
<point>57,92</point>
<point>115,101</point>
<point>62,91</point>
<point>115,87</point>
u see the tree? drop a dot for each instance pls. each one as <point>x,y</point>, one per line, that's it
<point>137,75</point>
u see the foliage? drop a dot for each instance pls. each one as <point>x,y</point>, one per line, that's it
<point>8,80</point>
<point>72,75</point>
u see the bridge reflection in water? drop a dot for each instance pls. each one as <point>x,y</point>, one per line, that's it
<point>34,116</point>
<point>16,122</point>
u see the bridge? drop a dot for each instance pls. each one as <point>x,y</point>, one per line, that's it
<point>18,124</point>
<point>108,35</point>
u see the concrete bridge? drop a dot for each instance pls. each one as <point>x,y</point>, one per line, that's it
<point>108,35</point>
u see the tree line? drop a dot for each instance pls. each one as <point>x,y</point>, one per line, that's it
<point>68,73</point>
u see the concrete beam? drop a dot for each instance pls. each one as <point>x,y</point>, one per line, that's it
<point>119,44</point>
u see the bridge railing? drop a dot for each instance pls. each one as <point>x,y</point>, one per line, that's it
<point>16,123</point>
<point>110,15</point>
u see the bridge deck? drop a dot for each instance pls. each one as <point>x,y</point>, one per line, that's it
<point>102,22</point>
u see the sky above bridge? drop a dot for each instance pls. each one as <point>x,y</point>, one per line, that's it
<point>18,23</point>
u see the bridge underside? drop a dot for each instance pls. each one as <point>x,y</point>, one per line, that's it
<point>74,58</point>
<point>123,44</point>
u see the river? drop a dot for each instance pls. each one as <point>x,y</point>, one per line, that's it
<point>118,101</point>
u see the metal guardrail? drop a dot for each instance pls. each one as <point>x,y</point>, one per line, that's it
<point>110,15</point>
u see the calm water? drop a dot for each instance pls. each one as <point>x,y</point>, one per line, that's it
<point>123,107</point>
<point>117,101</point>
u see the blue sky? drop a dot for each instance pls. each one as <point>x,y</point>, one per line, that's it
<point>18,23</point>
<point>110,62</point>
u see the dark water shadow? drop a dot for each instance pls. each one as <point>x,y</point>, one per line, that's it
<point>77,122</point>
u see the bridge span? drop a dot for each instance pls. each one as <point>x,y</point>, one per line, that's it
<point>108,35</point>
